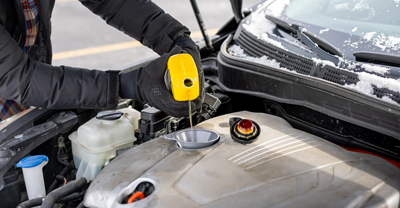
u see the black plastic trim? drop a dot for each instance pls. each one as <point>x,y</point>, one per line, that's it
<point>242,76</point>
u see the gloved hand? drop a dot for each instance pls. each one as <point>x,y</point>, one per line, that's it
<point>188,46</point>
<point>147,85</point>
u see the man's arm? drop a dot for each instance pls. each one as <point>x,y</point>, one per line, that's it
<point>140,19</point>
<point>43,85</point>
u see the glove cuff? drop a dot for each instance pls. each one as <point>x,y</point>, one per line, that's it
<point>184,41</point>
<point>112,97</point>
<point>127,85</point>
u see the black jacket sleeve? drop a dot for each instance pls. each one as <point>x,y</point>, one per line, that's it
<point>140,19</point>
<point>43,85</point>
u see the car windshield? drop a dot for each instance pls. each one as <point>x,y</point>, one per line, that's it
<point>375,20</point>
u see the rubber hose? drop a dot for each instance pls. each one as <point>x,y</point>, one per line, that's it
<point>31,203</point>
<point>72,197</point>
<point>65,190</point>
<point>55,182</point>
<point>39,201</point>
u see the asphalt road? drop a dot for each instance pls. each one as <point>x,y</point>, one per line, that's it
<point>82,39</point>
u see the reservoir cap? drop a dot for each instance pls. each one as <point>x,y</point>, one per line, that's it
<point>31,161</point>
<point>109,115</point>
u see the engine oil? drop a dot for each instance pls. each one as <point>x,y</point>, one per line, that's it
<point>190,116</point>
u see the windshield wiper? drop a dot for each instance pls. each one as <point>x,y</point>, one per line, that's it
<point>321,47</point>
<point>382,59</point>
<point>377,58</point>
<point>288,27</point>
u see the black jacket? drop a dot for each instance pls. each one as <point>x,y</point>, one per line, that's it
<point>32,80</point>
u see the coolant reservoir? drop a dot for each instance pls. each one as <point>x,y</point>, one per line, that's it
<point>97,141</point>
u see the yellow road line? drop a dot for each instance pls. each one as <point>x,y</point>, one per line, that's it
<point>95,50</point>
<point>113,47</point>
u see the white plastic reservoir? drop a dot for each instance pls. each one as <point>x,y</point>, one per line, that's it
<point>97,141</point>
<point>33,175</point>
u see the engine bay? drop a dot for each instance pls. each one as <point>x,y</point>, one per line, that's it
<point>265,136</point>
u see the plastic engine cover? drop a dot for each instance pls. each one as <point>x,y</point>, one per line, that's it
<point>285,167</point>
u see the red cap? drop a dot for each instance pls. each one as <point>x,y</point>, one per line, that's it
<point>245,126</point>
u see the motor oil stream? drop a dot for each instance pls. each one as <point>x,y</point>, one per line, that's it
<point>190,118</point>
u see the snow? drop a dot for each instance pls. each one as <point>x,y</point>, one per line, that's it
<point>382,41</point>
<point>386,43</point>
<point>362,86</point>
<point>374,68</point>
<point>368,36</point>
<point>259,26</point>
<point>363,5</point>
<point>380,82</point>
<point>353,30</point>
<point>324,30</point>
<point>323,62</point>
<point>388,99</point>
<point>276,8</point>
<point>237,51</point>
<point>341,6</point>
<point>354,45</point>
<point>367,80</point>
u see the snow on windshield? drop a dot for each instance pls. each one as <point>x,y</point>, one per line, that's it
<point>369,22</point>
<point>387,43</point>
<point>323,30</point>
<point>275,8</point>
<point>382,41</point>
<point>259,26</point>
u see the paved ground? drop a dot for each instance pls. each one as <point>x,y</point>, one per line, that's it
<point>83,39</point>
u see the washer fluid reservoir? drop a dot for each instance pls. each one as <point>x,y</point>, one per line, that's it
<point>97,141</point>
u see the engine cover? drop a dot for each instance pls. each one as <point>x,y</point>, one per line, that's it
<point>285,167</point>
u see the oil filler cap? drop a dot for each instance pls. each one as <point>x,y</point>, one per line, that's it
<point>244,131</point>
